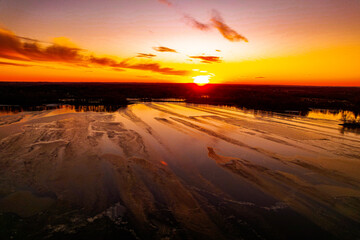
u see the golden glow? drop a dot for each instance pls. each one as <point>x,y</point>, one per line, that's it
<point>202,79</point>
<point>281,49</point>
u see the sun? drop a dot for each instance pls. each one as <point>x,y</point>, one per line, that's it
<point>202,79</point>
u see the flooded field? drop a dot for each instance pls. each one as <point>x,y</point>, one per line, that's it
<point>178,171</point>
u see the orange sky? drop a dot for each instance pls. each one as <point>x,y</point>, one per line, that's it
<point>254,42</point>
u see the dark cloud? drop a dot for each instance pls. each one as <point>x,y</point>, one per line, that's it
<point>29,50</point>
<point>208,59</point>
<point>224,29</point>
<point>15,64</point>
<point>104,61</point>
<point>146,55</point>
<point>154,67</point>
<point>13,47</point>
<point>196,24</point>
<point>164,49</point>
<point>217,22</point>
<point>166,2</point>
<point>62,54</point>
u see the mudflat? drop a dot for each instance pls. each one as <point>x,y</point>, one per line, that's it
<point>178,170</point>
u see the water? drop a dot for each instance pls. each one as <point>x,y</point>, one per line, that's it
<point>178,170</point>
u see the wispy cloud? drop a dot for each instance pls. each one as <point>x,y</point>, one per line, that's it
<point>164,49</point>
<point>118,69</point>
<point>104,61</point>
<point>154,67</point>
<point>166,2</point>
<point>196,24</point>
<point>224,29</point>
<point>145,55</point>
<point>15,64</point>
<point>208,59</point>
<point>30,50</point>
<point>217,22</point>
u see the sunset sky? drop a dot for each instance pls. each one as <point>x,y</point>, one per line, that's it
<point>296,42</point>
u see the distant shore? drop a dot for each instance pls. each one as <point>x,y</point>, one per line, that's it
<point>112,95</point>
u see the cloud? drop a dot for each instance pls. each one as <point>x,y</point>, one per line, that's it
<point>13,47</point>
<point>118,69</point>
<point>164,49</point>
<point>208,59</point>
<point>224,29</point>
<point>154,67</point>
<point>15,64</point>
<point>166,2</point>
<point>30,50</point>
<point>196,24</point>
<point>29,39</point>
<point>104,61</point>
<point>217,22</point>
<point>146,55</point>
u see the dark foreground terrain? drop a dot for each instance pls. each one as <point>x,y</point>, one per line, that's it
<point>167,161</point>
<point>113,95</point>
<point>174,170</point>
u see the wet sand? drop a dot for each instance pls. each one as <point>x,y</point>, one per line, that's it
<point>176,170</point>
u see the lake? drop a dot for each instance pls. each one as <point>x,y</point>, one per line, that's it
<point>172,170</point>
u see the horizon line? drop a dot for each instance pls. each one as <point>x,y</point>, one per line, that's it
<point>225,83</point>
